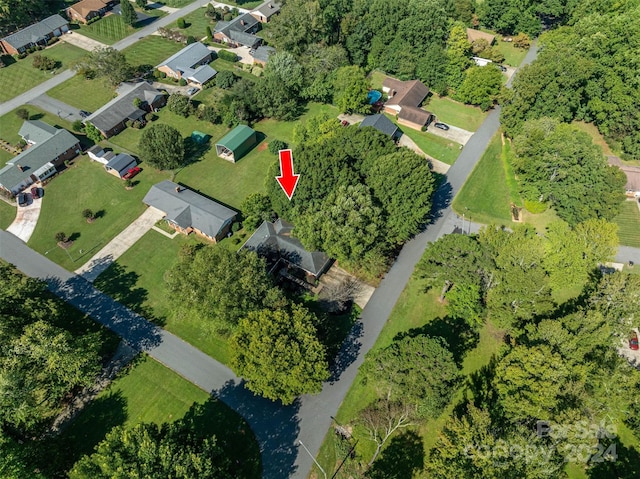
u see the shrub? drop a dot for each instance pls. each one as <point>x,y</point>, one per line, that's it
<point>22,113</point>
<point>235,227</point>
<point>53,40</point>
<point>181,23</point>
<point>128,183</point>
<point>87,214</point>
<point>21,144</point>
<point>276,145</point>
<point>227,17</point>
<point>521,40</point>
<point>43,63</point>
<point>535,207</point>
<point>159,74</point>
<point>77,126</point>
<point>208,33</point>
<point>228,56</point>
<point>182,82</point>
<point>61,237</point>
<point>191,39</point>
<point>225,79</point>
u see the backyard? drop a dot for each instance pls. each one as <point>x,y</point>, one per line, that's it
<point>149,392</point>
<point>86,185</point>
<point>196,23</point>
<point>10,123</point>
<point>19,76</point>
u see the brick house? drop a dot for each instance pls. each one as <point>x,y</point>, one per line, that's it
<point>238,32</point>
<point>264,12</point>
<point>34,35</point>
<point>85,10</point>
<point>190,63</point>
<point>404,99</point>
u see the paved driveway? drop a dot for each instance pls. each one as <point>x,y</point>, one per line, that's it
<point>81,41</point>
<point>453,133</point>
<point>26,219</point>
<point>119,245</point>
<point>56,107</point>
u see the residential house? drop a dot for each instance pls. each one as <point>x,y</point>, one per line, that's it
<point>186,211</point>
<point>631,172</point>
<point>261,54</point>
<point>112,117</point>
<point>235,144</point>
<point>274,242</point>
<point>473,35</point>
<point>238,32</point>
<point>48,149</point>
<point>383,125</point>
<point>190,63</point>
<point>404,99</point>
<point>264,12</point>
<point>34,35</point>
<point>85,10</point>
<point>120,164</point>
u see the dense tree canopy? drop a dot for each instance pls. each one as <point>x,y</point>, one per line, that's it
<point>350,89</point>
<point>105,62</point>
<point>556,162</point>
<point>162,147</point>
<point>278,354</point>
<point>481,86</point>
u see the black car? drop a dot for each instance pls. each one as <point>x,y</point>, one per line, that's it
<point>502,68</point>
<point>84,113</point>
<point>22,199</point>
<point>442,126</point>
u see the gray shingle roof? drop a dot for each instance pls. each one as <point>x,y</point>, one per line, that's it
<point>36,131</point>
<point>35,157</point>
<point>268,8</point>
<point>239,29</point>
<point>187,57</point>
<point>274,239</point>
<point>245,39</point>
<point>263,53</point>
<point>380,123</point>
<point>187,208</point>
<point>36,32</point>
<point>121,107</point>
<point>120,162</point>
<point>202,74</point>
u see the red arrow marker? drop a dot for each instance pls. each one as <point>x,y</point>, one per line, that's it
<point>287,179</point>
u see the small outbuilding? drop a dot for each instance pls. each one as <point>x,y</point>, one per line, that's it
<point>120,164</point>
<point>237,143</point>
<point>383,125</point>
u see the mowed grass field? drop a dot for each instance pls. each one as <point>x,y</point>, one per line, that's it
<point>19,75</point>
<point>111,28</point>
<point>83,94</point>
<point>197,24</point>
<point>149,392</point>
<point>455,113</point>
<point>151,50</point>
<point>435,146</point>
<point>628,222</point>
<point>484,198</point>
<point>7,214</point>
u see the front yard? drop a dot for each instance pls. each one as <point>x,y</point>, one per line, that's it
<point>86,184</point>
<point>151,50</point>
<point>7,214</point>
<point>112,28</point>
<point>435,146</point>
<point>19,75</point>
<point>83,94</point>
<point>455,113</point>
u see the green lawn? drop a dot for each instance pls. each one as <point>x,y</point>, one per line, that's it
<point>435,146</point>
<point>197,24</point>
<point>512,56</point>
<point>454,113</point>
<point>86,185</point>
<point>19,75</point>
<point>484,198</point>
<point>83,94</point>
<point>7,214</point>
<point>149,392</point>
<point>236,67</point>
<point>176,3</point>
<point>628,222</point>
<point>112,28</point>
<point>151,50</point>
<point>10,123</point>
<point>376,77</point>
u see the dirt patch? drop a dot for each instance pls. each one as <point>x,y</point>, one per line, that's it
<point>263,146</point>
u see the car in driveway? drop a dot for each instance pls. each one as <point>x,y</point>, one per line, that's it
<point>131,173</point>
<point>36,192</point>
<point>442,126</point>
<point>502,68</point>
<point>22,199</point>
<point>84,113</point>
<point>192,91</point>
<point>633,341</point>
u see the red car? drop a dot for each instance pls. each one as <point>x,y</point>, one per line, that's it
<point>633,341</point>
<point>35,192</point>
<point>131,173</point>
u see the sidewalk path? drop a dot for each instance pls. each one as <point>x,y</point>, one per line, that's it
<point>119,245</point>
<point>26,220</point>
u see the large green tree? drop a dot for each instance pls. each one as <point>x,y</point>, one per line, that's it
<point>278,354</point>
<point>105,62</point>
<point>350,89</point>
<point>128,13</point>
<point>220,285</point>
<point>278,93</point>
<point>162,147</point>
<point>481,86</point>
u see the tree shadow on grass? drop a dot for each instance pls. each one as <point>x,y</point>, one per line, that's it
<point>620,462</point>
<point>460,337</point>
<point>401,459</point>
<point>194,150</point>
<point>121,284</point>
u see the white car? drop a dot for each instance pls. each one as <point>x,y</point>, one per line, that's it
<point>192,91</point>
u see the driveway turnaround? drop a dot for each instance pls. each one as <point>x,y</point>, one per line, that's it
<point>56,107</point>
<point>119,245</point>
<point>26,220</point>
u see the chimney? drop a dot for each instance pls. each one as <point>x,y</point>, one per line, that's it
<point>178,189</point>
<point>270,5</point>
<point>20,167</point>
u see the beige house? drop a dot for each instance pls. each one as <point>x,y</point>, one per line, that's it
<point>87,9</point>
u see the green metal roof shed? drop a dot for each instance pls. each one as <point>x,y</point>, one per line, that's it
<point>235,144</point>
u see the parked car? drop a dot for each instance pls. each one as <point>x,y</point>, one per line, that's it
<point>633,341</point>
<point>36,192</point>
<point>192,91</point>
<point>345,123</point>
<point>131,173</point>
<point>84,113</point>
<point>442,126</point>
<point>502,68</point>
<point>22,199</point>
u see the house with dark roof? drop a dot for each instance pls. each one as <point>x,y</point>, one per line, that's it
<point>383,125</point>
<point>237,143</point>
<point>404,99</point>
<point>241,31</point>
<point>188,212</point>
<point>264,12</point>
<point>111,118</point>
<point>85,10</point>
<point>120,164</point>
<point>49,148</point>
<point>34,35</point>
<point>631,172</point>
<point>190,63</point>
<point>273,241</point>
<point>261,54</point>
<point>474,35</point>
